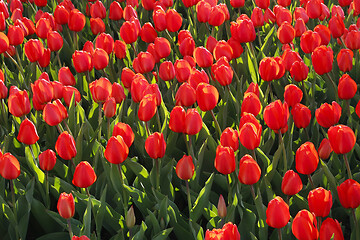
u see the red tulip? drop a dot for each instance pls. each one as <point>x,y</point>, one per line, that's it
<point>109,107</point>
<point>223,74</point>
<point>257,17</point>
<point>249,170</point>
<point>120,49</point>
<point>177,119</point>
<point>34,50</point>
<point>116,150</point>
<point>105,42</point>
<point>69,92</point>
<point>155,145</point>
<point>276,115</point>
<point>42,90</point>
<point>54,41</point>
<point>349,193</point>
<point>300,27</point>
<point>97,10</point>
<point>47,160</point>
<point>66,77</point>
<point>325,149</point>
<point>336,26</point>
<point>82,61</point>
<point>347,87</point>
<point>306,158</point>
<point>65,146</point>
<point>304,226</point>
<point>310,40</point>
<point>291,183</point>
<point>207,96</point>
<point>299,71</point>
<point>115,11</point>
<point>61,14</point>
<point>225,160</point>
<point>27,133</point>
<point>328,115</point>
<point>66,205</point>
<point>301,115</point>
<point>185,95</point>
<point>229,231</point>
<point>147,107</point>
<point>18,103</point>
<point>217,16</point>
<point>100,89</point>
<point>277,213</point>
<point>173,20</point>
<point>230,138</point>
<point>84,175</point>
<point>148,33</point>
<point>314,9</point>
<point>159,17</point>
<point>125,131</point>
<point>43,28</point>
<point>322,59</point>
<point>342,139</point>
<point>329,228</point>
<point>182,70</point>
<point>77,21</point>
<point>193,122</point>
<point>289,57</point>
<point>286,33</point>
<point>243,29</point>
<point>271,68</point>
<point>345,59</point>
<point>251,104</point>
<point>320,202</point>
<point>15,35</point>
<point>203,57</point>
<point>325,34</point>
<point>292,95</point>
<point>129,31</point>
<point>9,166</point>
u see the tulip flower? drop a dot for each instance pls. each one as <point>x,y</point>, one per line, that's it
<point>109,107</point>
<point>304,226</point>
<point>100,89</point>
<point>310,40</point>
<point>299,71</point>
<point>223,74</point>
<point>115,11</point>
<point>349,193</point>
<point>66,205</point>
<point>193,122</point>
<point>120,49</point>
<point>147,107</point>
<point>159,17</point>
<point>222,49</point>
<point>221,207</point>
<point>271,68</point>
<point>116,150</point>
<point>306,158</point>
<point>301,115</point>
<point>291,183</point>
<point>117,92</point>
<point>322,59</point>
<point>54,40</point>
<point>82,61</point>
<point>347,87</point>
<point>66,77</point>
<point>47,160</point>
<point>185,95</point>
<point>84,175</point>
<point>125,131</point>
<point>9,166</point>
<point>331,228</point>
<point>27,133</point>
<point>243,29</point>
<point>185,168</point>
<point>100,59</point>
<point>207,96</point>
<point>320,202</point>
<point>292,95</point>
<point>155,145</point>
<point>276,115</point>
<point>251,104</point>
<point>286,33</point>
<point>336,26</point>
<point>15,35</point>
<point>249,170</point>
<point>177,119</point>
<point>65,146</point>
<point>345,59</point>
<point>277,213</point>
<point>196,77</point>
<point>166,71</point>
<point>225,160</point>
<point>19,103</point>
<point>325,149</point>
<point>229,231</point>
<point>250,135</point>
<point>289,57</point>
<point>182,70</point>
<point>4,43</point>
<point>173,20</point>
<point>3,90</point>
<point>230,138</point>
<point>77,20</point>
<point>138,86</point>
<point>328,115</point>
<point>203,57</point>
<point>148,33</point>
<point>129,31</point>
<point>42,90</point>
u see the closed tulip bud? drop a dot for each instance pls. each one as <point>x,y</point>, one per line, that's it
<point>166,71</point>
<point>304,226</point>
<point>314,9</point>
<point>185,95</point>
<point>162,47</point>
<point>221,207</point>
<point>118,93</point>
<point>250,135</point>
<point>349,193</point>
<point>224,75</point>
<point>286,33</point>
<point>197,77</point>
<point>42,91</point>
<point>9,166</point>
<point>147,107</point>
<point>109,107</point>
<point>289,57</point>
<point>19,103</point>
<point>125,131</point>
<point>193,122</point>
<point>217,16</point>
<point>4,43</point>
<point>347,87</point>
<point>276,115</point>
<point>129,32</point>
<point>177,119</point>
<point>300,27</point>
<point>182,70</point>
<point>3,90</point>
<point>88,47</point>
<point>97,10</point>
<point>306,158</point>
<point>282,14</point>
<point>243,30</point>
<point>301,115</point>
<point>69,92</point>
<point>222,49</point>
<point>352,39</point>
<point>130,218</point>
<point>187,46</point>
<point>47,160</point>
<point>331,228</point>
<point>336,26</point>
<point>115,11</point>
<point>66,205</point>
<point>61,15</point>
<point>146,62</point>
<point>292,95</point>
<point>97,26</point>
<point>27,132</point>
<point>138,86</point>
<point>76,20</point>
<point>34,50</point>
<point>116,150</point>
<point>345,59</point>
<point>155,145</point>
<point>43,27</point>
<point>148,33</point>
<point>66,77</point>
<point>100,89</point>
<point>320,202</point>
<point>120,49</point>
<point>328,115</point>
<point>225,160</point>
<point>251,104</point>
<point>100,59</point>
<point>54,40</point>
<point>325,34</point>
<point>325,149</point>
<point>15,35</point>
<point>249,170</point>
<point>84,175</point>
<point>230,138</point>
<point>203,57</point>
<point>299,71</point>
<point>65,146</point>
<point>82,61</point>
<point>173,20</point>
<point>291,183</point>
<point>277,213</point>
<point>322,59</point>
<point>185,168</point>
<point>271,68</point>
<point>310,40</point>
<point>342,139</point>
<point>105,42</point>
<point>257,17</point>
<point>207,96</point>
<point>127,76</point>
<point>159,17</point>
<point>44,61</point>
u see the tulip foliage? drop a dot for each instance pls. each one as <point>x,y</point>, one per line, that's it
<point>186,119</point>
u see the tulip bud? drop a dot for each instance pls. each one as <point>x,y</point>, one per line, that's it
<point>47,160</point>
<point>225,160</point>
<point>177,119</point>
<point>115,11</point>
<point>276,115</point>
<point>342,139</point>
<point>291,183</point>
<point>84,175</point>
<point>193,122</point>
<point>306,158</point>
<point>147,107</point>
<point>9,166</point>
<point>116,150</point>
<point>155,145</point>
<point>221,207</point>
<point>66,77</point>
<point>109,107</point>
<point>249,170</point>
<point>322,59</point>
<point>328,115</point>
<point>77,21</point>
<point>320,202</point>
<point>331,228</point>
<point>130,218</point>
<point>325,149</point>
<point>66,205</point>
<point>347,87</point>
<point>349,193</point>
<point>304,225</point>
<point>27,132</point>
<point>100,89</point>
<point>207,96</point>
<point>345,59</point>
<point>65,146</point>
<point>301,115</point>
<point>230,138</point>
<point>277,213</point>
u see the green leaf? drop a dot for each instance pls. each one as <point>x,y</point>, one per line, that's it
<point>140,234</point>
<point>86,227</point>
<point>40,176</point>
<point>101,211</point>
<point>202,199</point>
<point>163,234</point>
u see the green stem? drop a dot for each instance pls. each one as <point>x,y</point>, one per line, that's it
<point>283,150</point>
<point>334,86</point>
<point>122,189</point>
<point>158,120</point>
<point>311,181</point>
<point>279,233</point>
<point>187,144</point>
<point>188,197</point>
<point>108,128</point>
<point>357,232</point>
<point>14,207</point>
<point>33,155</point>
<point>70,230</point>
<point>47,190</point>
<point>218,129</point>
<point>347,166</point>
<point>254,154</point>
<point>100,121</point>
<point>252,192</point>
<point>75,40</point>
<point>157,166</point>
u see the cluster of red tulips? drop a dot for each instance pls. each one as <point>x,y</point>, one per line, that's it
<point>145,114</point>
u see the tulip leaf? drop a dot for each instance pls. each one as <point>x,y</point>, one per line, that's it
<point>55,236</point>
<point>40,176</point>
<point>154,222</point>
<point>270,171</point>
<point>86,226</point>
<point>330,177</point>
<point>140,234</point>
<point>163,234</point>
<point>101,212</point>
<point>202,199</point>
<point>140,171</point>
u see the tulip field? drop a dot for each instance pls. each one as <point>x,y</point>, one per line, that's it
<point>179,119</point>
